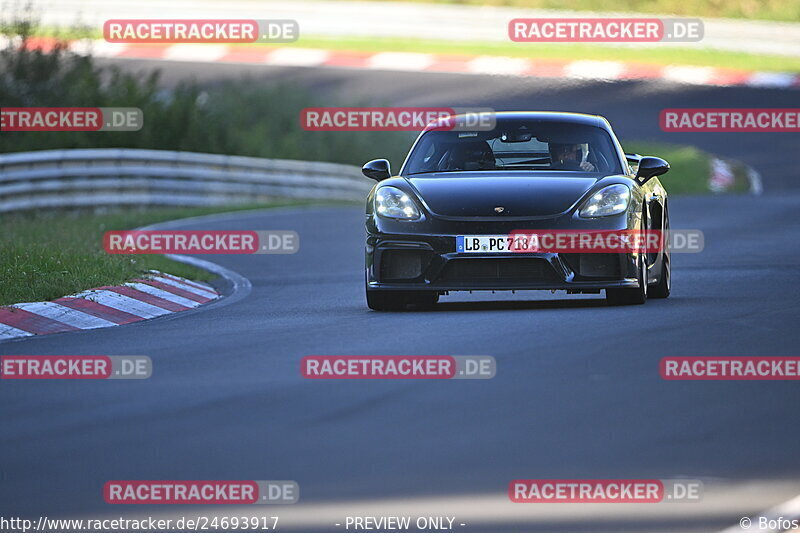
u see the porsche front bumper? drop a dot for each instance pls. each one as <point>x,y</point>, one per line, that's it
<point>430,262</point>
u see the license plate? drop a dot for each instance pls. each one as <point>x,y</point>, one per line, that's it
<point>495,244</point>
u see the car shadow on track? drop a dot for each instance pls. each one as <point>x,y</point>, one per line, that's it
<point>500,305</point>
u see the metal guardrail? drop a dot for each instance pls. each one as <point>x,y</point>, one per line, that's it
<point>118,176</point>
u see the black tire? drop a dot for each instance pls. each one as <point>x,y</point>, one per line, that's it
<point>634,296</point>
<point>398,300</point>
<point>664,285</point>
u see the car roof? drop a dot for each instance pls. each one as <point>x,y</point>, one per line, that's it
<point>546,116</point>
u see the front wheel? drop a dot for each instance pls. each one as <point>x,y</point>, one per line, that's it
<point>664,285</point>
<point>635,296</point>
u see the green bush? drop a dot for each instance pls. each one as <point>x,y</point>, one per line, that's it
<point>245,117</point>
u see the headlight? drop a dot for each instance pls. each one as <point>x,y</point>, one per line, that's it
<point>611,200</point>
<point>391,202</point>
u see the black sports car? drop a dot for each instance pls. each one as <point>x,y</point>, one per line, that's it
<point>441,224</point>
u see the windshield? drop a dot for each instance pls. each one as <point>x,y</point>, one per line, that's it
<point>520,145</point>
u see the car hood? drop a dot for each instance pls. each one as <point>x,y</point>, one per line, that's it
<point>473,194</point>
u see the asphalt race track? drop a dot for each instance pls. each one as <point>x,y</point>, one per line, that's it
<point>577,392</point>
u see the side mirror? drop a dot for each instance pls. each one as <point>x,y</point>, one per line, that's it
<point>377,169</point>
<point>650,167</point>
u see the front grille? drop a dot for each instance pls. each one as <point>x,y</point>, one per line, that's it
<point>508,269</point>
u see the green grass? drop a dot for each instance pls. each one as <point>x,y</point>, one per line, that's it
<point>690,167</point>
<point>47,255</point>
<point>784,10</point>
<point>654,55</point>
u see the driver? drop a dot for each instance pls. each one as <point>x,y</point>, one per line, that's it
<point>569,157</point>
